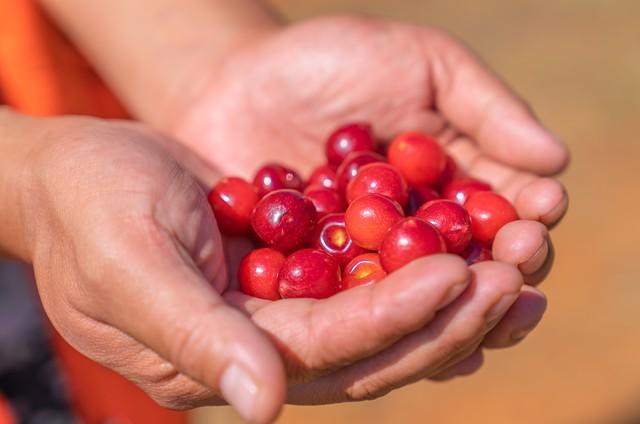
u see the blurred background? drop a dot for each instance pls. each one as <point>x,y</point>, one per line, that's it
<point>578,64</point>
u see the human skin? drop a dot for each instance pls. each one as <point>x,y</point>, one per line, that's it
<point>131,271</point>
<point>213,71</point>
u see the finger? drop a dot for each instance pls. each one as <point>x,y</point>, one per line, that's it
<point>543,200</point>
<point>467,366</point>
<point>540,199</point>
<point>480,105</point>
<point>320,335</point>
<point>524,244</point>
<point>457,328</point>
<point>178,315</point>
<point>520,320</point>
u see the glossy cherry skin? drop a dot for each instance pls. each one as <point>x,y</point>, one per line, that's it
<point>352,164</point>
<point>459,189</point>
<point>355,137</point>
<point>331,236</point>
<point>325,200</point>
<point>275,177</point>
<point>284,219</point>
<point>258,273</point>
<point>451,220</point>
<point>324,176</point>
<point>418,157</point>
<point>418,196</point>
<point>489,212</point>
<point>309,273</point>
<point>232,201</point>
<point>363,270</point>
<point>448,174</point>
<point>407,240</point>
<point>369,217</point>
<point>477,252</point>
<point>380,178</point>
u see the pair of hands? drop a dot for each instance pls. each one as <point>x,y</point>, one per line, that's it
<point>133,272</point>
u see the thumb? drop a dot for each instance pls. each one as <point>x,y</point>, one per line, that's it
<point>480,105</point>
<point>174,311</point>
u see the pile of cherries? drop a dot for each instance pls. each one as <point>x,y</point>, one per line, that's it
<point>358,217</point>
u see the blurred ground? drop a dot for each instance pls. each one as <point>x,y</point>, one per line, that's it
<point>578,63</point>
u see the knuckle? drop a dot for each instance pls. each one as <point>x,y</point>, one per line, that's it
<point>178,393</point>
<point>368,389</point>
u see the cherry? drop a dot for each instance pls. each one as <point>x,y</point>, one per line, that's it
<point>284,219</point>
<point>331,236</point>
<point>325,176</point>
<point>477,252</point>
<point>451,219</point>
<point>355,137</point>
<point>363,270</point>
<point>418,157</point>
<point>309,273</point>
<point>258,273</point>
<point>369,217</point>
<point>380,178</point>
<point>325,200</point>
<point>459,189</point>
<point>449,172</point>
<point>352,164</point>
<point>489,212</point>
<point>275,177</point>
<point>232,201</point>
<point>418,196</point>
<point>409,239</point>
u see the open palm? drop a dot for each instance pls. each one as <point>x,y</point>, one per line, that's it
<point>278,98</point>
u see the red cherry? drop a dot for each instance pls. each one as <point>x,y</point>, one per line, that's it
<point>459,189</point>
<point>331,236</point>
<point>489,212</point>
<point>258,273</point>
<point>325,200</point>
<point>477,252</point>
<point>451,220</point>
<point>380,178</point>
<point>418,157</point>
<point>449,172</point>
<point>232,201</point>
<point>309,273</point>
<point>275,177</point>
<point>418,196</point>
<point>284,219</point>
<point>352,164</point>
<point>369,217</point>
<point>363,270</point>
<point>350,138</point>
<point>325,176</point>
<point>409,239</point>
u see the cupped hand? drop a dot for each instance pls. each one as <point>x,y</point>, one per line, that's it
<point>131,271</point>
<point>277,98</point>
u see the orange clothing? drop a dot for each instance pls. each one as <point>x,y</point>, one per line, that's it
<point>42,74</point>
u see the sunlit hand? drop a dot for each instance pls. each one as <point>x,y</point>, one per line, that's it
<point>131,271</point>
<point>278,98</point>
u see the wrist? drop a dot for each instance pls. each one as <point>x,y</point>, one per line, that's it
<point>162,49</point>
<point>15,174</point>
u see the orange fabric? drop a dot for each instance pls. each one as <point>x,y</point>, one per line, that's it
<point>42,74</point>
<point>6,417</point>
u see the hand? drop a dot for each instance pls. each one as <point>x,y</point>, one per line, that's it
<point>129,265</point>
<point>278,97</point>
<point>130,269</point>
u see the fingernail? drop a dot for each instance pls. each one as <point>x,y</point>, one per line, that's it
<point>519,335</point>
<point>536,261</point>
<point>500,308</point>
<point>240,390</point>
